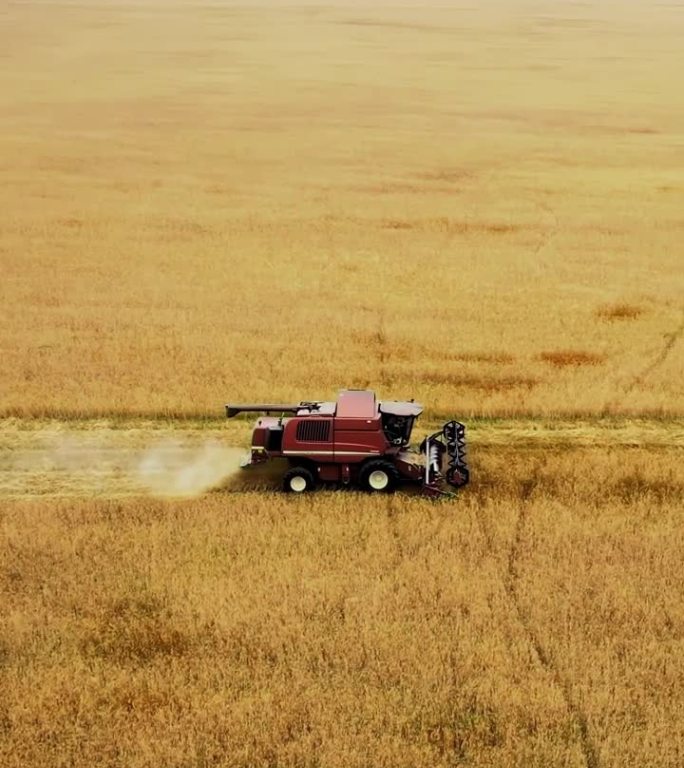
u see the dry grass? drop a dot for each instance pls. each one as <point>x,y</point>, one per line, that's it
<point>537,620</point>
<point>203,202</point>
<point>620,311</point>
<point>561,358</point>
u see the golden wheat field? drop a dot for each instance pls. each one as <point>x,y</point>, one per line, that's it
<point>536,621</point>
<point>478,205</point>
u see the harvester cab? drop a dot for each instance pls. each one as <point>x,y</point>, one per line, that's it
<point>355,441</point>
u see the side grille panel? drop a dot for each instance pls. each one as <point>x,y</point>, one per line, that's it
<point>313,430</point>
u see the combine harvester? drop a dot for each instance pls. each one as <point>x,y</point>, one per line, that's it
<point>356,441</point>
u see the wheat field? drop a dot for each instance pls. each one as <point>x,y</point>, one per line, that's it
<point>476,205</point>
<point>536,621</point>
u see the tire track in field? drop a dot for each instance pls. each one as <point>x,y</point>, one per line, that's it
<point>393,527</point>
<point>510,579</point>
<point>546,238</point>
<point>671,339</point>
<point>545,657</point>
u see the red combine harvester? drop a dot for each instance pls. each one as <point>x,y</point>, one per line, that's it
<point>356,441</point>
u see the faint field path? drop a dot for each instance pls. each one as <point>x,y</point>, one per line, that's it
<point>121,458</point>
<point>545,657</point>
<point>509,574</point>
<point>670,340</point>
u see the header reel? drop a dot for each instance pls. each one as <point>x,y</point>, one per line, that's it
<point>445,459</point>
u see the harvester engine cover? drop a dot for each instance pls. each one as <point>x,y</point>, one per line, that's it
<point>356,441</point>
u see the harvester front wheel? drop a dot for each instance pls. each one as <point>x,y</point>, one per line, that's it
<point>299,480</point>
<point>379,477</point>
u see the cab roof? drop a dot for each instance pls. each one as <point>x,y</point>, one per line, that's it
<point>351,404</point>
<point>361,404</point>
<point>398,408</point>
<point>356,403</point>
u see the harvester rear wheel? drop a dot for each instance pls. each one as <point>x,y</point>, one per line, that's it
<point>379,476</point>
<point>299,480</point>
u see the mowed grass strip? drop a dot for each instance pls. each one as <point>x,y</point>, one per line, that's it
<point>535,620</point>
<point>115,458</point>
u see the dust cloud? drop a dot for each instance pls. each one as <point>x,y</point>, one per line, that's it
<point>117,462</point>
<point>175,470</point>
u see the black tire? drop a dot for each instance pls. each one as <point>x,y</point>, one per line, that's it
<point>299,480</point>
<point>378,476</point>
